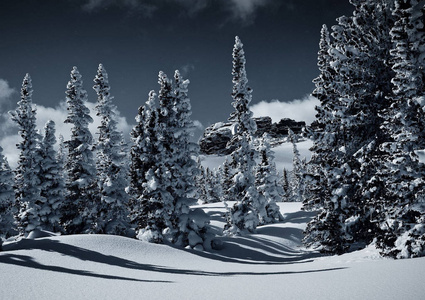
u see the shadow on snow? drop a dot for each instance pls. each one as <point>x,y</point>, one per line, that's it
<point>50,245</point>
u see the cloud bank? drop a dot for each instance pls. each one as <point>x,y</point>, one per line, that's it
<point>5,92</point>
<point>298,110</point>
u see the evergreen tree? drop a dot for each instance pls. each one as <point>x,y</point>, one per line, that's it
<point>243,216</point>
<point>52,181</point>
<point>297,184</point>
<point>146,169</point>
<point>266,182</point>
<point>402,213</point>
<point>213,190</point>
<point>200,180</point>
<point>110,160</point>
<point>81,199</point>
<point>188,227</point>
<point>7,198</point>
<point>27,183</point>
<point>348,147</point>
<point>285,186</point>
<point>169,179</point>
<point>226,182</point>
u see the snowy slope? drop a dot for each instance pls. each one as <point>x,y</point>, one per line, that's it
<point>271,264</point>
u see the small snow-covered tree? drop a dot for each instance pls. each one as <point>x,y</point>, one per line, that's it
<point>285,186</point>
<point>226,182</point>
<point>112,212</point>
<point>243,216</point>
<point>200,180</point>
<point>27,183</point>
<point>81,200</point>
<point>267,184</point>
<point>7,198</point>
<point>297,184</point>
<point>213,190</point>
<point>52,180</point>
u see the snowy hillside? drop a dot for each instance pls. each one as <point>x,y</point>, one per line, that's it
<point>268,265</point>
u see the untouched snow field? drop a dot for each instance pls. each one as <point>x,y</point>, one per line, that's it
<point>268,265</point>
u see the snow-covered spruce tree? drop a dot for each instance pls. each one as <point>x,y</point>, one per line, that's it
<point>146,191</point>
<point>27,183</point>
<point>402,210</point>
<point>189,227</point>
<point>324,137</point>
<point>284,181</point>
<point>213,190</point>
<point>113,210</point>
<point>169,179</point>
<point>267,184</point>
<point>243,216</point>
<point>297,183</point>
<point>359,58</point>
<point>79,210</point>
<point>7,197</point>
<point>51,180</point>
<point>226,181</point>
<point>200,181</point>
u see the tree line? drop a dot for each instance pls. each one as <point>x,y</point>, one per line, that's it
<point>143,189</point>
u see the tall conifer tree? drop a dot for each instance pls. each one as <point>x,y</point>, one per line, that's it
<point>27,182</point>
<point>243,216</point>
<point>81,200</point>
<point>110,160</point>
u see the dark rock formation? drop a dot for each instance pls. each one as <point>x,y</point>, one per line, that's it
<point>215,137</point>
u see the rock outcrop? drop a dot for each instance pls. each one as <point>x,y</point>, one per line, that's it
<point>215,137</point>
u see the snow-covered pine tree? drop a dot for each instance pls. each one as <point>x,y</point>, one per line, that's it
<point>267,184</point>
<point>402,211</point>
<point>243,216</point>
<point>113,210</point>
<point>285,185</point>
<point>217,189</point>
<point>213,190</point>
<point>79,210</point>
<point>324,140</point>
<point>297,183</point>
<point>200,181</point>
<point>359,59</point>
<point>7,197</point>
<point>27,183</point>
<point>226,182</point>
<point>147,172</point>
<point>51,179</point>
<point>189,227</point>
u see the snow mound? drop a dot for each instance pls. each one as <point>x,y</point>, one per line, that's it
<point>269,264</point>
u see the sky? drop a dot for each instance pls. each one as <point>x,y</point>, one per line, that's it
<point>135,39</point>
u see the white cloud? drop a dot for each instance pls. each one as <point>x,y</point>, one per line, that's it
<point>244,10</point>
<point>9,136</point>
<point>5,92</point>
<point>298,110</point>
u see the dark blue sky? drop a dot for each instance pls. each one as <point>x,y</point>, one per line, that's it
<point>137,38</point>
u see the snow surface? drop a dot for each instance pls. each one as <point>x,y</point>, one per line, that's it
<point>271,264</point>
